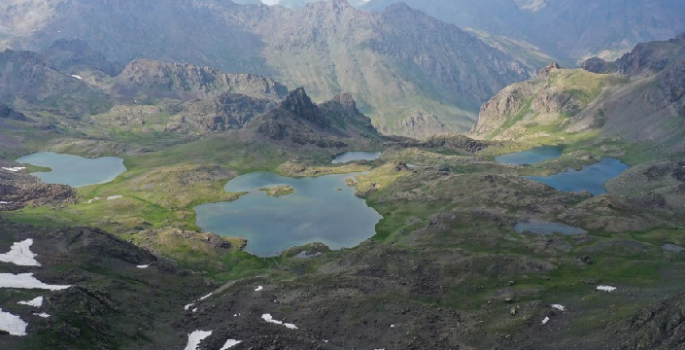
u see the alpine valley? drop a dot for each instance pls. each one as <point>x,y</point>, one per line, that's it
<point>486,197</point>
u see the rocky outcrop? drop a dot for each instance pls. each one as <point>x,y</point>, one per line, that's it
<point>660,327</point>
<point>7,113</point>
<point>300,105</point>
<point>452,143</point>
<point>144,78</point>
<point>225,112</point>
<point>673,85</point>
<point>297,120</point>
<point>19,189</point>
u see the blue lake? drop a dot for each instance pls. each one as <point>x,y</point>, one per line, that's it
<point>532,156</point>
<point>322,209</point>
<point>547,228</point>
<point>590,178</point>
<point>75,171</point>
<point>352,156</point>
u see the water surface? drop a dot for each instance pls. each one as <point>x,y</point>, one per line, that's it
<point>322,209</point>
<point>75,171</point>
<point>590,178</point>
<point>352,156</point>
<point>531,156</point>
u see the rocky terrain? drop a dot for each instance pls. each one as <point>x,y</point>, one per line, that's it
<point>637,98</point>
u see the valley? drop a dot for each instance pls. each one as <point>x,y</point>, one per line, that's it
<point>196,208</point>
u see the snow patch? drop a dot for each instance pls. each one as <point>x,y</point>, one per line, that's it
<point>205,297</point>
<point>42,314</point>
<point>25,281</point>
<point>14,169</point>
<point>37,302</point>
<point>559,307</point>
<point>143,266</point>
<point>258,289</point>
<point>230,343</point>
<point>195,338</point>
<point>12,324</point>
<point>545,320</point>
<point>20,254</point>
<point>77,76</point>
<point>606,288</point>
<point>187,307</point>
<point>114,197</point>
<point>268,318</point>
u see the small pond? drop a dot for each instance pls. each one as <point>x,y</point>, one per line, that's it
<point>548,228</point>
<point>75,171</point>
<point>532,156</point>
<point>322,209</point>
<point>590,178</point>
<point>352,156</point>
<point>669,247</point>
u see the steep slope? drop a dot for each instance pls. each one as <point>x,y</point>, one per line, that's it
<point>410,73</point>
<point>298,121</point>
<point>569,29</point>
<point>643,105</point>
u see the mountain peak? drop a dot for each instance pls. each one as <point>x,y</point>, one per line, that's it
<point>298,103</point>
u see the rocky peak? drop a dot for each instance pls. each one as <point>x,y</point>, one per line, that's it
<point>298,103</point>
<point>347,102</point>
<point>545,72</point>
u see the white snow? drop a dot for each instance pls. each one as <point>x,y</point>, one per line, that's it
<point>195,338</point>
<point>37,302</point>
<point>20,254</point>
<point>545,320</point>
<point>259,289</point>
<point>25,281</point>
<point>114,197</point>
<point>230,343</point>
<point>392,326</point>
<point>1,202</point>
<point>143,266</point>
<point>187,307</point>
<point>42,314</point>
<point>206,296</point>
<point>12,324</point>
<point>14,169</point>
<point>77,76</point>
<point>268,318</point>
<point>606,288</point>
<point>559,307</point>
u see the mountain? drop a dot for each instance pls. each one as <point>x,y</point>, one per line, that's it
<point>570,30</point>
<point>410,73</point>
<point>639,98</point>
<point>146,78</point>
<point>298,121</point>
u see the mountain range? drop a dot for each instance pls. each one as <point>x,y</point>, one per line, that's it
<point>410,73</point>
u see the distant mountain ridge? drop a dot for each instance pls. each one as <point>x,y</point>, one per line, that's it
<point>568,29</point>
<point>402,67</point>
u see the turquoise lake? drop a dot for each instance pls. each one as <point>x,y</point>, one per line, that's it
<point>75,171</point>
<point>352,156</point>
<point>322,209</point>
<point>532,156</point>
<point>590,178</point>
